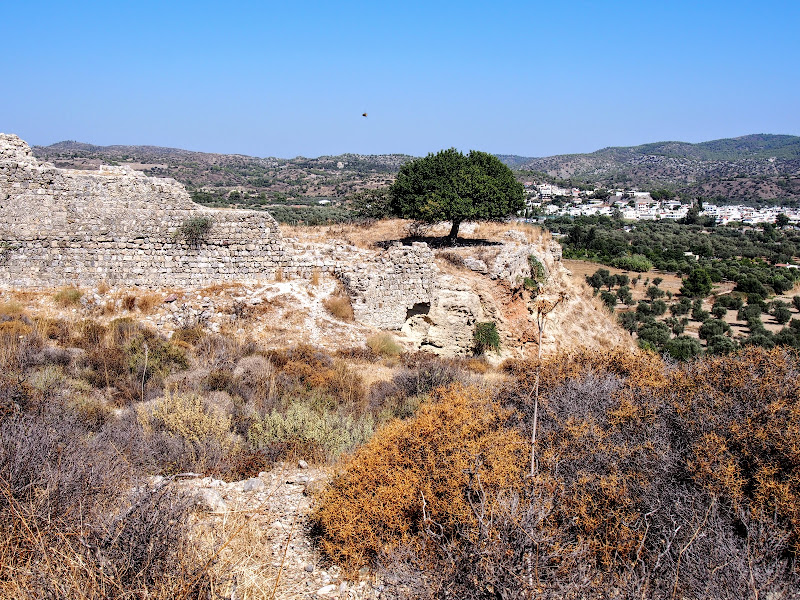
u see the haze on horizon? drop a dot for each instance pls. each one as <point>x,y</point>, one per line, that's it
<point>288,79</point>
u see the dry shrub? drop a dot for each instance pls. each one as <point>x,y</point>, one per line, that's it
<point>254,381</point>
<point>133,359</point>
<point>340,307</point>
<point>358,353</point>
<point>20,344</point>
<point>384,344</point>
<point>476,365</point>
<point>306,368</point>
<point>59,330</point>
<point>453,258</point>
<point>651,480</point>
<point>129,302</point>
<point>147,302</point>
<point>90,334</point>
<point>73,525</point>
<point>663,481</point>
<point>217,380</point>
<point>188,335</point>
<point>221,351</point>
<point>16,396</point>
<point>103,288</point>
<point>419,475</point>
<point>68,296</point>
<point>186,433</point>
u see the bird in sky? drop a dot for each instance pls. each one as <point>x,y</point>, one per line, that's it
<point>363,114</point>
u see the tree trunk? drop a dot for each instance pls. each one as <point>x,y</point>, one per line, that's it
<point>451,237</point>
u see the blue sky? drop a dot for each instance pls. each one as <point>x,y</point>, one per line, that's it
<point>292,78</point>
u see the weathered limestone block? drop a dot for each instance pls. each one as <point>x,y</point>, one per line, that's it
<point>446,325</point>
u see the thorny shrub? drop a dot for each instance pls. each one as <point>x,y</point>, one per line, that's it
<point>419,475</point>
<point>74,527</point>
<point>652,480</point>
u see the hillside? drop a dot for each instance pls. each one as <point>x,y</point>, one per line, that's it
<point>258,182</point>
<point>744,169</point>
<point>752,168</point>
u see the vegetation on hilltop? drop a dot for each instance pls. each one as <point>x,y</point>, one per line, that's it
<point>451,186</point>
<point>747,169</point>
<point>291,189</point>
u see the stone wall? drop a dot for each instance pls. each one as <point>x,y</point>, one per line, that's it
<point>392,286</point>
<point>117,225</point>
<point>61,226</point>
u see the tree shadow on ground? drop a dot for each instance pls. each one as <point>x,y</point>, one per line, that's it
<point>437,242</point>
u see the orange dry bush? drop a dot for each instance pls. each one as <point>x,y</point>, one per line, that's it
<point>640,368</point>
<point>419,475</point>
<point>741,417</point>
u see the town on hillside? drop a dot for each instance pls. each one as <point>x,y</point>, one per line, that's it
<point>549,199</point>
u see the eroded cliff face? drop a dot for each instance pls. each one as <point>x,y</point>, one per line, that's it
<point>117,226</point>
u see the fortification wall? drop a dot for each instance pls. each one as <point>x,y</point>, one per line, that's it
<point>118,225</point>
<point>61,226</point>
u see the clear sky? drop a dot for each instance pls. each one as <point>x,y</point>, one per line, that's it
<point>292,78</point>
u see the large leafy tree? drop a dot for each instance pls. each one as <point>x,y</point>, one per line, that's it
<point>455,187</point>
<point>698,284</point>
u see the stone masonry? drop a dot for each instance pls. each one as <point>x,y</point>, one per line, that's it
<point>62,226</point>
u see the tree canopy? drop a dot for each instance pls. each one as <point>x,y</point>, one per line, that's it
<point>698,284</point>
<point>455,187</point>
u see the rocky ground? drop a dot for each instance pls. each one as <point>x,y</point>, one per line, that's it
<point>261,530</point>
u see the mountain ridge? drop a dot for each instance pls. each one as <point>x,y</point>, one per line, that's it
<point>751,168</point>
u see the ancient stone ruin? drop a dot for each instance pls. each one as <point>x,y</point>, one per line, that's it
<point>116,225</point>
<point>63,226</point>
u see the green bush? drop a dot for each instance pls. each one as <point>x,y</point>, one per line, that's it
<point>636,262</point>
<point>195,230</point>
<point>312,427</point>
<point>683,348</point>
<point>384,344</point>
<point>486,337</point>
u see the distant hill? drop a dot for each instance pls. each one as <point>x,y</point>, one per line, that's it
<point>752,168</point>
<point>259,181</point>
<point>748,168</point>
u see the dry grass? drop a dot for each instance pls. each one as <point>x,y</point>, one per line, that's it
<point>494,231</point>
<point>219,288</point>
<point>340,307</point>
<point>362,236</point>
<point>278,275</point>
<point>147,302</point>
<point>315,276</point>
<point>384,344</point>
<point>68,296</point>
<point>129,302</point>
<point>11,307</point>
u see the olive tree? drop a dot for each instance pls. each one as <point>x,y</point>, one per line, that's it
<point>451,186</point>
